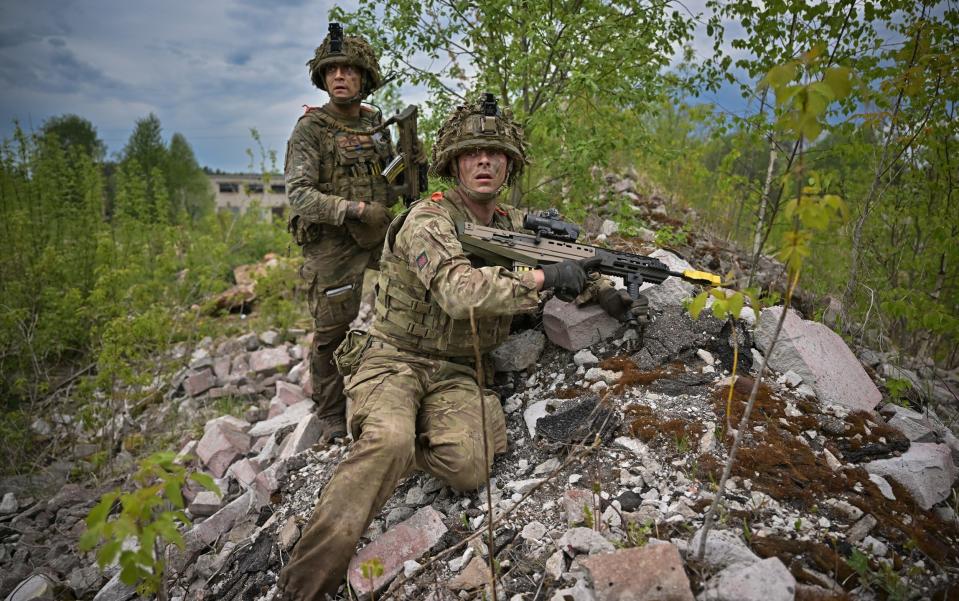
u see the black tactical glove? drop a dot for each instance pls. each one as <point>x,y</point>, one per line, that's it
<point>567,279</point>
<point>616,303</point>
<point>368,227</point>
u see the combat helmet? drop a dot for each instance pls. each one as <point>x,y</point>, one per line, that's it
<point>339,49</point>
<point>481,124</point>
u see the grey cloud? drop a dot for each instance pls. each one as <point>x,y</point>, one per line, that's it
<point>57,42</point>
<point>10,38</point>
<point>239,57</point>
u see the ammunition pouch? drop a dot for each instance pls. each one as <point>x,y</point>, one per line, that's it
<point>347,354</point>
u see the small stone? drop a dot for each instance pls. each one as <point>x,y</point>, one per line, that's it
<point>875,546</point>
<point>860,529</point>
<point>524,486</point>
<point>474,576</point>
<point>555,565</point>
<point>585,357</point>
<point>533,531</point>
<point>596,374</point>
<point>415,496</point>
<point>9,504</point>
<point>397,515</point>
<point>584,540</point>
<point>457,564</point>
<point>288,535</point>
<point>547,467</point>
<point>411,568</point>
<point>884,487</point>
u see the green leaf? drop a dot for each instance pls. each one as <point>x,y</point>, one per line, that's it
<point>108,552</point>
<point>719,309</point>
<point>780,75</point>
<point>99,513</point>
<point>838,80</point>
<point>206,481</point>
<point>699,303</point>
<point>736,302</point>
<point>172,491</point>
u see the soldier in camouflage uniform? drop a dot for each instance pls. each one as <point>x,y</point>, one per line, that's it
<point>414,397</point>
<point>339,203</point>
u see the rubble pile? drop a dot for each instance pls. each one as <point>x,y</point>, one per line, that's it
<point>617,443</point>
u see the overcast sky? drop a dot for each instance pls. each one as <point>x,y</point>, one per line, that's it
<point>209,69</point>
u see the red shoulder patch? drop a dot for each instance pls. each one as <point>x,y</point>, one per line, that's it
<point>501,211</point>
<point>436,196</point>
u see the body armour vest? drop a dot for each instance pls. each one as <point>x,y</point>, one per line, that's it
<point>409,318</point>
<point>350,164</point>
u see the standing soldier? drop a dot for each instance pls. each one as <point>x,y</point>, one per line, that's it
<point>415,399</point>
<point>339,203</point>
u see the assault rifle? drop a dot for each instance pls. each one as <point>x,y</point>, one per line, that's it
<point>408,163</point>
<point>552,244</point>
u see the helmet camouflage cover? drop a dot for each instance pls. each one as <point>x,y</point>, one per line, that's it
<point>356,51</point>
<point>473,127</point>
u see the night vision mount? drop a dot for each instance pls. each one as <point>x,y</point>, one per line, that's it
<point>336,37</point>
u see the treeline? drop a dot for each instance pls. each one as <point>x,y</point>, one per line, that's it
<point>101,260</point>
<point>865,114</point>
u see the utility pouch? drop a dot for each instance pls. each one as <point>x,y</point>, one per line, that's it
<point>303,232</point>
<point>347,354</point>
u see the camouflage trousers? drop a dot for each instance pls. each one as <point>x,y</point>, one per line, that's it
<point>333,269</point>
<point>406,412</point>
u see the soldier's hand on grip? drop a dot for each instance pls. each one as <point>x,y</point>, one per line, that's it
<point>616,303</point>
<point>568,278</point>
<point>369,227</point>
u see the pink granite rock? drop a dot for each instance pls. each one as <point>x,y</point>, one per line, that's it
<point>199,382</point>
<point>573,327</point>
<point>820,357</point>
<point>270,360</point>
<point>288,394</point>
<point>408,540</point>
<point>926,470</point>
<point>224,441</point>
<point>651,573</point>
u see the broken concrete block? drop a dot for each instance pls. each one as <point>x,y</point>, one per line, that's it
<point>205,503</point>
<point>199,382</point>
<point>289,394</point>
<point>406,541</point>
<point>766,580</point>
<point>820,357</point>
<point>574,328</point>
<point>223,443</point>
<point>306,434</point>
<point>520,351</point>
<point>220,523</point>
<point>650,573</point>
<point>926,470</point>
<point>244,471</point>
<point>290,417</point>
<point>268,481</point>
<point>270,360</point>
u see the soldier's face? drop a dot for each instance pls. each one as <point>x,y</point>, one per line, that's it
<point>482,170</point>
<point>343,81</point>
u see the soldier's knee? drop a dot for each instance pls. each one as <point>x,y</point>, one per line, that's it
<point>466,469</point>
<point>391,441</point>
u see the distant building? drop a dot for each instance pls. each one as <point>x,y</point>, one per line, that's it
<point>235,192</point>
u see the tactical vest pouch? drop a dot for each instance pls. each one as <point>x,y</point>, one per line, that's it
<point>347,354</point>
<point>366,235</point>
<point>303,232</point>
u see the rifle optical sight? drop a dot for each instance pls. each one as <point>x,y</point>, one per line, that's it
<point>336,37</point>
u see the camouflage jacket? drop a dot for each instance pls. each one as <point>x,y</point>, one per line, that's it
<point>329,161</point>
<point>427,284</point>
